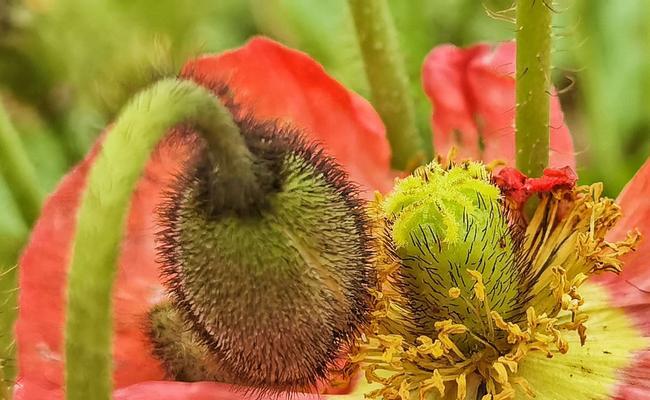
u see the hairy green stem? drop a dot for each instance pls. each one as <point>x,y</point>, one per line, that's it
<point>8,297</point>
<point>105,202</point>
<point>388,80</point>
<point>533,85</point>
<point>18,171</point>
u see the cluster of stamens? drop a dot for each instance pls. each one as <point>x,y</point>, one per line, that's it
<point>472,344</point>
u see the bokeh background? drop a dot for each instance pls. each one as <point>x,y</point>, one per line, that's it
<point>67,66</point>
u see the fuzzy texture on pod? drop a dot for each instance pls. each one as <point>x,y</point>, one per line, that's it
<point>275,291</point>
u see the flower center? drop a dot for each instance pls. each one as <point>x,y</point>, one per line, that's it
<point>468,289</point>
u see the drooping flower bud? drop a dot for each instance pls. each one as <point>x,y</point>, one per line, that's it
<point>271,289</point>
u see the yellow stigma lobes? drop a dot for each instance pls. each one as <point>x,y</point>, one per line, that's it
<point>436,199</point>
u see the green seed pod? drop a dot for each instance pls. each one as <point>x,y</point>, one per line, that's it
<point>451,235</point>
<point>272,288</point>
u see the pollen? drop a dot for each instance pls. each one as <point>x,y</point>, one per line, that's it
<point>469,288</point>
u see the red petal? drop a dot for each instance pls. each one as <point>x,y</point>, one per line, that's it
<point>43,269</point>
<point>473,94</point>
<point>512,184</point>
<point>271,81</point>
<point>631,289</point>
<point>518,187</point>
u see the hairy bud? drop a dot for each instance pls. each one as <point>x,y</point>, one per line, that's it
<point>272,289</point>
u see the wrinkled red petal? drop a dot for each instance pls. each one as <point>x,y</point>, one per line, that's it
<point>271,81</point>
<point>518,187</point>
<point>631,289</point>
<point>512,183</point>
<point>473,94</point>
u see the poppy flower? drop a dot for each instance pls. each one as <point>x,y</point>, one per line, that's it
<point>473,95</point>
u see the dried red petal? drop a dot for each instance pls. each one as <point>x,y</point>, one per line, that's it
<point>517,187</point>
<point>552,179</point>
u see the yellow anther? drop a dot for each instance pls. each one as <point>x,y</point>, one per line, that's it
<point>461,387</point>
<point>454,293</point>
<point>434,382</point>
<point>428,346</point>
<point>447,327</point>
<point>510,363</point>
<point>501,375</point>
<point>404,392</point>
<point>479,287</point>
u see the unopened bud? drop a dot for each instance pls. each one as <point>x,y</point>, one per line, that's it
<point>272,289</point>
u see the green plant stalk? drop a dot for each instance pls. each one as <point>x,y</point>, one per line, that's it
<point>105,202</point>
<point>18,171</point>
<point>388,80</point>
<point>533,86</point>
<point>8,297</point>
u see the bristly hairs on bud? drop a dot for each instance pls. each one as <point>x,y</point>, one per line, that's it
<point>272,294</point>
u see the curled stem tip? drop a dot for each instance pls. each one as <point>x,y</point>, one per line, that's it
<point>104,204</point>
<point>533,85</point>
<point>388,79</point>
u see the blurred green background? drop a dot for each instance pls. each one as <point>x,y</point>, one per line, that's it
<point>66,66</point>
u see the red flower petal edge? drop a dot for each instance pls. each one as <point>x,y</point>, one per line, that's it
<point>473,96</point>
<point>268,81</point>
<point>631,289</point>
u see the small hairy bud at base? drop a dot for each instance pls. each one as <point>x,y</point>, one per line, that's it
<point>184,356</point>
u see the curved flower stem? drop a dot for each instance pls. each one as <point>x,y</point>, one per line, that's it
<point>18,171</point>
<point>533,85</point>
<point>111,181</point>
<point>388,80</point>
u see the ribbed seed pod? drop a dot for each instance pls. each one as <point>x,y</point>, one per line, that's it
<point>449,232</point>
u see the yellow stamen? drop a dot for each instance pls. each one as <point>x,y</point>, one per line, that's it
<point>562,246</point>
